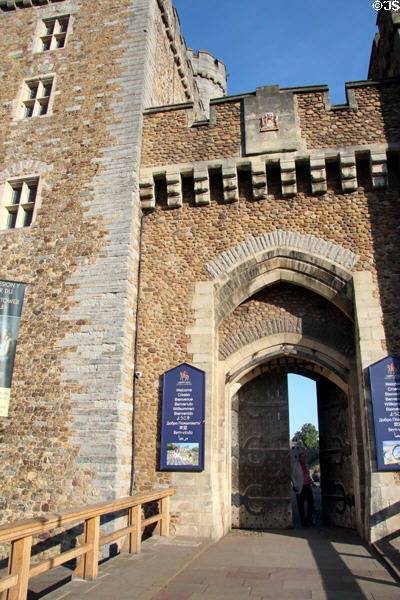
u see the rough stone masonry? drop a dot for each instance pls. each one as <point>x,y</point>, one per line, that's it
<point>266,241</point>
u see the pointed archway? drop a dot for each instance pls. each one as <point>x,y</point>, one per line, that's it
<point>320,268</point>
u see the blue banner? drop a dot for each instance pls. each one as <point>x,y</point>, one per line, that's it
<point>182,428</point>
<point>385,389</point>
<point>11,298</point>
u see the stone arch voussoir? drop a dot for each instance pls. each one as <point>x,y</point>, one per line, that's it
<point>245,364</point>
<point>303,260</point>
<point>308,327</point>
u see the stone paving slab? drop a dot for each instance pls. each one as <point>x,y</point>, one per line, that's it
<point>313,564</point>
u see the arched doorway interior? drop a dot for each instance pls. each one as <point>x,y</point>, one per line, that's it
<point>261,458</point>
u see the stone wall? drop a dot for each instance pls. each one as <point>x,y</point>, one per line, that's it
<point>178,243</point>
<point>287,308</point>
<point>370,118</point>
<point>68,437</point>
<point>170,137</point>
<point>170,71</point>
<point>41,470</point>
<point>317,188</point>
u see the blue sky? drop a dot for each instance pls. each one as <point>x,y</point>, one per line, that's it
<point>287,43</point>
<point>302,402</point>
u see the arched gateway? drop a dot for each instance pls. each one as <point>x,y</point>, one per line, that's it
<point>270,312</point>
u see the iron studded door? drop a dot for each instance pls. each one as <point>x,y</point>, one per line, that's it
<point>335,456</point>
<point>260,454</point>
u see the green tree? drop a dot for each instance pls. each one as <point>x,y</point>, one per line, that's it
<point>307,436</point>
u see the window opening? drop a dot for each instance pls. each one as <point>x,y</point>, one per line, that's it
<point>20,201</point>
<point>55,33</point>
<point>37,97</point>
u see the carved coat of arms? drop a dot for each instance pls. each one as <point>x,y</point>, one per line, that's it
<point>269,122</point>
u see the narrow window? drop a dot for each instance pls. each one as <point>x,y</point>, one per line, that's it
<point>19,203</point>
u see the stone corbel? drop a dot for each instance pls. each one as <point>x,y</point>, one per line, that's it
<point>146,191</point>
<point>230,183</point>
<point>288,178</point>
<point>174,189</point>
<point>378,166</point>
<point>318,175</point>
<point>259,179</point>
<point>201,185</point>
<point>348,173</point>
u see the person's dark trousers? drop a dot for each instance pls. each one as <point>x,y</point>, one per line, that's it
<point>305,495</point>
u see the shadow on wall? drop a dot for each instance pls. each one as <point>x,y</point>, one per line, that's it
<point>384,210</point>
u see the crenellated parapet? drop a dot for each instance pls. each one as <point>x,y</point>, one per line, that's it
<point>14,4</point>
<point>314,165</point>
<point>177,47</point>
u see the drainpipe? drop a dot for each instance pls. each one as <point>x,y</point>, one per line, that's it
<point>135,371</point>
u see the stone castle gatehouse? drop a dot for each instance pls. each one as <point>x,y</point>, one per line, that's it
<point>251,236</point>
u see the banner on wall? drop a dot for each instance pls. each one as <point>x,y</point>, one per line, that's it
<point>182,427</point>
<point>11,298</point>
<point>385,389</point>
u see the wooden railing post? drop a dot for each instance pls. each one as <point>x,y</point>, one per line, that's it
<point>19,562</point>
<point>136,537</point>
<point>133,541</point>
<point>164,509</point>
<point>91,558</point>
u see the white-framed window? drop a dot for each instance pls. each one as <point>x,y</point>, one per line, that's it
<point>19,203</point>
<point>53,33</point>
<point>36,97</point>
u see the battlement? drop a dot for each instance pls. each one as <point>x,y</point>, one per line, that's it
<point>14,4</point>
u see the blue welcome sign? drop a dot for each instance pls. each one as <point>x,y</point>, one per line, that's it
<point>385,388</point>
<point>182,428</point>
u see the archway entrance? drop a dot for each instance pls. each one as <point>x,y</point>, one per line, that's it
<point>261,458</point>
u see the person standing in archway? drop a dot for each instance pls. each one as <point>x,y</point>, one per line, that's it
<point>302,484</point>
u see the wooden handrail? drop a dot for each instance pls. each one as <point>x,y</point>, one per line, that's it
<point>19,534</point>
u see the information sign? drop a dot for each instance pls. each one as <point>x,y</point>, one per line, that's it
<point>11,298</point>
<point>385,388</point>
<point>182,430</point>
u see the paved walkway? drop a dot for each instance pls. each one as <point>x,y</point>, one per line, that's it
<point>300,564</point>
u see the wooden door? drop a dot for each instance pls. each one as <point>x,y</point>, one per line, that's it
<point>261,497</point>
<point>335,456</point>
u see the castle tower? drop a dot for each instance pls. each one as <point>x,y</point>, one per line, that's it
<point>76,77</point>
<point>210,76</point>
<point>385,55</point>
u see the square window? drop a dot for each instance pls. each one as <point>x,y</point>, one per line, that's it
<point>19,202</point>
<point>54,33</point>
<point>37,97</point>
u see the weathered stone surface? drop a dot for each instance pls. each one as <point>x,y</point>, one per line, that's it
<point>68,438</point>
<point>291,243</point>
